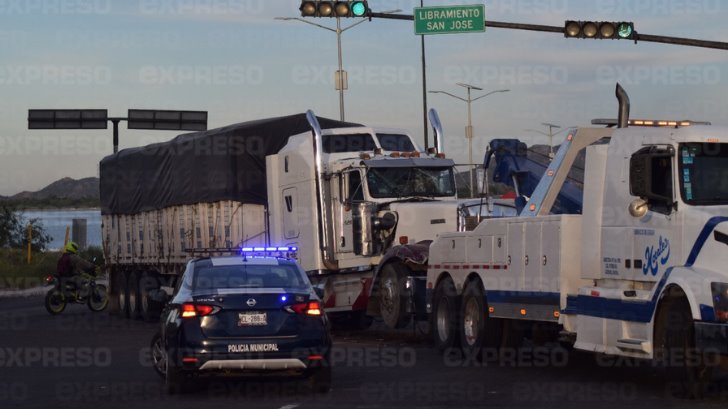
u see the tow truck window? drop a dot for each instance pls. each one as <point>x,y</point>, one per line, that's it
<point>404,182</point>
<point>348,143</point>
<point>395,142</point>
<point>704,173</point>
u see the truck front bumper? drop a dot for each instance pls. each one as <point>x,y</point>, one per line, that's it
<point>712,337</point>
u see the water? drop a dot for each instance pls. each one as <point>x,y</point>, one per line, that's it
<point>56,221</point>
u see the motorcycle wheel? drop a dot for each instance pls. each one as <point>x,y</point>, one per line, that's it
<point>55,301</point>
<point>98,298</point>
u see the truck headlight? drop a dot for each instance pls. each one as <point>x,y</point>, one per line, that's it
<point>720,301</point>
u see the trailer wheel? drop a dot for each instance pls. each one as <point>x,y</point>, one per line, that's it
<point>445,316</point>
<point>687,371</point>
<point>122,288</point>
<point>148,308</point>
<point>133,288</point>
<point>477,329</point>
<point>392,298</point>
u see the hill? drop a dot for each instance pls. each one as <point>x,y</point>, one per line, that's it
<point>65,192</point>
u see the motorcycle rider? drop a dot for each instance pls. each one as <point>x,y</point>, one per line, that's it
<point>70,267</point>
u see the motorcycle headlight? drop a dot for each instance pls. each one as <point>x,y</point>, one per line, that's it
<point>720,301</point>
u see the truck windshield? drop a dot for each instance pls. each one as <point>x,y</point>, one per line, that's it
<point>395,142</point>
<point>404,181</point>
<point>704,173</point>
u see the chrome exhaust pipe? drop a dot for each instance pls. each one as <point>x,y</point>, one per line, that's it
<point>623,98</point>
<point>437,127</point>
<point>324,227</point>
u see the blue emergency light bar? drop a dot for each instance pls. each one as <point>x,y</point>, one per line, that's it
<point>285,252</point>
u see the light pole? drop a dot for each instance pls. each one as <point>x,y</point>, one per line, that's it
<point>469,128</point>
<point>340,80</point>
<point>550,134</point>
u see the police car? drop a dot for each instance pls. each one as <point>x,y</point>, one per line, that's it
<point>252,313</point>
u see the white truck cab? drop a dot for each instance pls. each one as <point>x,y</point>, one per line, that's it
<point>640,273</point>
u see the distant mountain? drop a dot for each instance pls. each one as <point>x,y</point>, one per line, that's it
<point>66,192</point>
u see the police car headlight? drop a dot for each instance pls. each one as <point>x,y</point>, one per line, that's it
<point>720,301</point>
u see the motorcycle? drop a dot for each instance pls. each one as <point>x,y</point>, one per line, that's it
<point>64,292</point>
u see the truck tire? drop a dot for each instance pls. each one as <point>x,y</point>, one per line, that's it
<point>133,289</point>
<point>445,311</point>
<point>477,330</point>
<point>688,373</point>
<point>392,296</point>
<point>122,294</point>
<point>148,308</point>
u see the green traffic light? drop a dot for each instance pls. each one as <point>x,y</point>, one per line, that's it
<point>625,30</point>
<point>358,9</point>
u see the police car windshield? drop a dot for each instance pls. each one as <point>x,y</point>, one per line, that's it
<point>704,173</point>
<point>248,276</point>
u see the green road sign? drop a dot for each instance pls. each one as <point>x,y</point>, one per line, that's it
<point>450,19</point>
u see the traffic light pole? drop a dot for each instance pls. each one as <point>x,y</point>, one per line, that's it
<point>647,38</point>
<point>341,70</point>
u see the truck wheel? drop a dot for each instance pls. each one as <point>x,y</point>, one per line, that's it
<point>148,308</point>
<point>477,331</point>
<point>686,368</point>
<point>392,298</point>
<point>133,290</point>
<point>122,292</point>
<point>445,316</point>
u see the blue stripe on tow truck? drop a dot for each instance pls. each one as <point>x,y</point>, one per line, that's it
<point>703,237</point>
<point>641,311</point>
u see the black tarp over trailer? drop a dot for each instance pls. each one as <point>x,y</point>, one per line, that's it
<point>219,164</point>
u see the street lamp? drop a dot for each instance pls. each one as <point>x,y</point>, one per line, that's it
<point>340,80</point>
<point>469,128</point>
<point>550,134</point>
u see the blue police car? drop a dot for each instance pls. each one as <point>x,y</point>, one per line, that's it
<point>252,313</point>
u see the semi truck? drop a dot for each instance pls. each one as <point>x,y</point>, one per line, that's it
<point>353,200</point>
<point>639,272</point>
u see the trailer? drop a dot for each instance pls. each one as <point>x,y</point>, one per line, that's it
<point>639,273</point>
<point>352,199</point>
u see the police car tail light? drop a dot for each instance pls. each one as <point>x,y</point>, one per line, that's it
<point>197,310</point>
<point>720,301</point>
<point>307,308</point>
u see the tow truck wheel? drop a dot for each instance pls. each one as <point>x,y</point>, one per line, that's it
<point>133,289</point>
<point>392,299</point>
<point>477,330</point>
<point>688,372</point>
<point>445,316</point>
<point>122,291</point>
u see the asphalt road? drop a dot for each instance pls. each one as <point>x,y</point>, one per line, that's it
<point>85,360</point>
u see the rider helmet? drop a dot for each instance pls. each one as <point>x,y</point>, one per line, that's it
<point>71,247</point>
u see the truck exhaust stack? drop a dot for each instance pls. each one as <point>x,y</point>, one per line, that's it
<point>437,126</point>
<point>623,98</point>
<point>324,225</point>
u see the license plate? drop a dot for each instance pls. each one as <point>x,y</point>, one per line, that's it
<point>250,319</point>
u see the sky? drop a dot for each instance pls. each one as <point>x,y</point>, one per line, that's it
<point>234,60</point>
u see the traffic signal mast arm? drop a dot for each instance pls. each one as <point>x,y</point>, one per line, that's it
<point>648,38</point>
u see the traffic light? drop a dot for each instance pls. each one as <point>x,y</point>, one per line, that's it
<point>605,30</point>
<point>322,8</point>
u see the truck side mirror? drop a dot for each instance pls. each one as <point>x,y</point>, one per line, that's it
<point>650,176</point>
